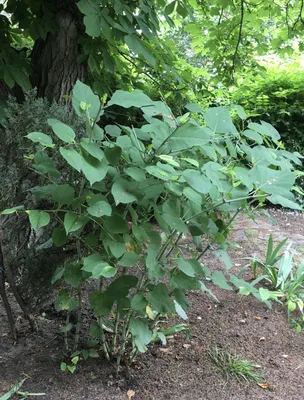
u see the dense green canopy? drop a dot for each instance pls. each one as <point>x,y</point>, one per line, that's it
<point>117,43</point>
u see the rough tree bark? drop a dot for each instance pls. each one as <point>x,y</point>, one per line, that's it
<point>54,61</point>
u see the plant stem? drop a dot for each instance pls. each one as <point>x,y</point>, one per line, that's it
<point>165,245</point>
<point>124,338</point>
<point>223,232</point>
<point>65,334</point>
<point>117,318</point>
<point>174,245</point>
<point>78,323</point>
<point>103,340</point>
<point>125,330</point>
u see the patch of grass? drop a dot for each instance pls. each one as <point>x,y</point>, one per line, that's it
<point>251,233</point>
<point>233,365</point>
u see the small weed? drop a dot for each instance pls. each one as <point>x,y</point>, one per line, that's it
<point>251,233</point>
<point>233,365</point>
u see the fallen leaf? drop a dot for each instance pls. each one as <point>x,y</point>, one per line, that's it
<point>264,385</point>
<point>130,394</point>
<point>186,345</point>
<point>164,350</point>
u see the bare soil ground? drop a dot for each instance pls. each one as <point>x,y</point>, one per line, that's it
<point>181,370</point>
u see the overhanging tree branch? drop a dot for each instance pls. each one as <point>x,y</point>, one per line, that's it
<point>239,37</point>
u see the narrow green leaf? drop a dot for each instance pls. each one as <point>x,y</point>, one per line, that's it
<point>42,138</point>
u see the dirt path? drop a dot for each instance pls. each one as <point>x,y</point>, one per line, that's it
<point>181,370</point>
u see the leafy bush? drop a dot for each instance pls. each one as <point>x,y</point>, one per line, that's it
<point>287,281</point>
<point>278,98</point>
<point>195,178</point>
<point>32,268</point>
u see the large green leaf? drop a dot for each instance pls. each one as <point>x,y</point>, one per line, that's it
<point>115,224</point>
<point>128,259</point>
<point>175,223</point>
<point>113,130</point>
<point>74,221</point>
<point>122,192</point>
<point>116,248</point>
<point>101,303</point>
<point>136,173</point>
<point>140,48</point>
<point>187,136</point>
<point>113,155</point>
<point>218,278</point>
<point>73,275</point>
<point>180,311</point>
<point>139,302</point>
<point>96,265</point>
<point>99,209</point>
<point>197,181</point>
<point>218,119</point>
<point>160,300</point>
<point>84,97</point>
<point>182,281</point>
<point>42,138</point>
<point>265,129</point>
<point>45,165</point>
<point>278,199</point>
<point>185,266</point>
<point>63,194</point>
<point>120,288</point>
<point>272,181</point>
<point>38,219</point>
<point>65,301</point>
<point>63,131</point>
<point>94,170</point>
<point>255,136</point>
<point>59,237</point>
<point>141,333</point>
<point>130,99</point>
<point>181,298</point>
<point>92,148</point>
<point>73,158</point>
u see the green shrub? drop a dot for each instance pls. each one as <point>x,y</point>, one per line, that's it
<point>278,98</point>
<point>33,268</point>
<point>195,178</point>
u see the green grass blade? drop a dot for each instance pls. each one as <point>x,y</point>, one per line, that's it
<point>13,390</point>
<point>269,249</point>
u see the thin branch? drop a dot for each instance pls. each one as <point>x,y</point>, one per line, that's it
<point>221,16</point>
<point>239,37</point>
<point>300,16</point>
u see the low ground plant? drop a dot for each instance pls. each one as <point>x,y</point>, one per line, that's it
<point>285,278</point>
<point>233,365</point>
<point>195,178</point>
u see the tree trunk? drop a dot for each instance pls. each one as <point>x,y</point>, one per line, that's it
<point>54,61</point>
